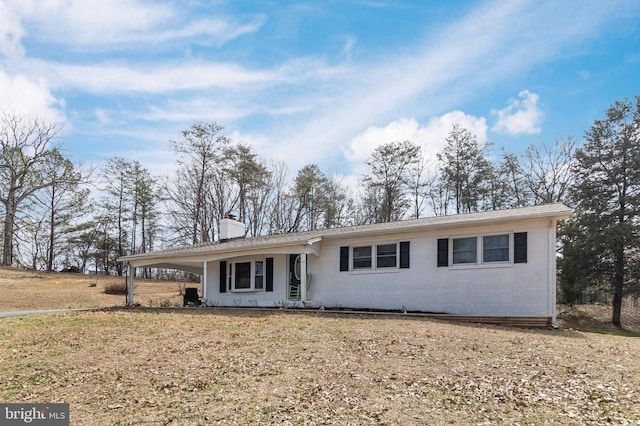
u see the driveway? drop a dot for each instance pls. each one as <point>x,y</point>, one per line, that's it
<point>48,311</point>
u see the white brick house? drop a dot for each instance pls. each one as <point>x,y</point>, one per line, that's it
<point>497,263</point>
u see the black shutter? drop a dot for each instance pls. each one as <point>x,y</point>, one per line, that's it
<point>404,254</point>
<point>344,259</point>
<point>443,252</point>
<point>223,276</point>
<point>269,271</point>
<point>520,247</point>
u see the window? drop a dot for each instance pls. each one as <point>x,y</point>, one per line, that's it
<point>465,250</point>
<point>259,275</point>
<point>380,256</point>
<point>386,255</point>
<point>249,276</point>
<point>495,248</point>
<point>362,257</point>
<point>243,276</point>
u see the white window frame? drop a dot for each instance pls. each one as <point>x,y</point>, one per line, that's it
<point>452,259</point>
<point>261,275</point>
<point>371,258</point>
<point>374,257</point>
<point>480,256</point>
<point>397,256</point>
<point>509,249</point>
<point>231,276</point>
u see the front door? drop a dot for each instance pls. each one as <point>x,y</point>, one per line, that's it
<point>294,277</point>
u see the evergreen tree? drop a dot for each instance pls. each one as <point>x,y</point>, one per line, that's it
<point>605,228</point>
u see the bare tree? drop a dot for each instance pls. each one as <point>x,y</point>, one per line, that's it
<point>63,202</point>
<point>247,173</point>
<point>546,170</point>
<point>420,182</point>
<point>281,204</point>
<point>464,169</point>
<point>197,191</point>
<point>27,146</point>
<point>387,182</point>
<point>195,194</point>
<point>515,186</point>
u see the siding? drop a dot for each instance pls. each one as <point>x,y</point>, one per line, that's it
<point>515,289</point>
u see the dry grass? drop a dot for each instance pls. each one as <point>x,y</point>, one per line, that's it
<point>597,318</point>
<point>225,366</point>
<point>207,366</point>
<point>28,290</point>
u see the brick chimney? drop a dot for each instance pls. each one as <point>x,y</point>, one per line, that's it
<point>230,228</point>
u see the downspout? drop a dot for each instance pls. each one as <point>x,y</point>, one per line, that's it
<point>551,259</point>
<point>132,271</point>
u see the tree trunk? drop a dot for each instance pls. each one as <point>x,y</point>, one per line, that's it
<point>52,236</point>
<point>9,219</point>
<point>618,285</point>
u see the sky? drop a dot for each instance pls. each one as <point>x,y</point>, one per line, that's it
<point>322,82</point>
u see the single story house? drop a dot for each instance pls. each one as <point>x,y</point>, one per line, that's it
<point>494,263</point>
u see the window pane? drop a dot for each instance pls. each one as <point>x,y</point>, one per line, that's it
<point>259,274</point>
<point>386,256</point>
<point>465,250</point>
<point>495,248</point>
<point>243,275</point>
<point>259,282</point>
<point>362,257</point>
<point>297,267</point>
<point>362,251</point>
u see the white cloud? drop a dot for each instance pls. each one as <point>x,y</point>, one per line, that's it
<point>112,23</point>
<point>454,64</point>
<point>347,48</point>
<point>521,116</point>
<point>102,116</point>
<point>11,32</point>
<point>30,97</point>
<point>440,127</point>
<point>430,137</point>
<point>363,145</point>
<point>204,109</point>
<point>159,78</point>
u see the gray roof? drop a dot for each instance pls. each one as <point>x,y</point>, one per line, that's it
<point>557,211</point>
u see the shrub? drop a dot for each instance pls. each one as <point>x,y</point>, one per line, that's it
<point>115,288</point>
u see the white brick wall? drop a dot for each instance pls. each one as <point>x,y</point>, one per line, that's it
<point>511,289</point>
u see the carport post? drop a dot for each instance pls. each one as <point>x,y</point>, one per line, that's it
<point>132,272</point>
<point>303,277</point>
<point>203,280</point>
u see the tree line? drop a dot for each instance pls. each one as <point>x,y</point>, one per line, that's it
<point>61,215</point>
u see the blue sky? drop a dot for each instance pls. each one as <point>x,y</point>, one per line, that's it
<point>315,82</point>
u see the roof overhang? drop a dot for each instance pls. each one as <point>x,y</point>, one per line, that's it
<point>192,259</point>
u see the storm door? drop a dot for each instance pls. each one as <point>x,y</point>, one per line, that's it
<point>294,277</point>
